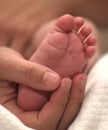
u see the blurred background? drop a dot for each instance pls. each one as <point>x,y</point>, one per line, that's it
<point>20,19</point>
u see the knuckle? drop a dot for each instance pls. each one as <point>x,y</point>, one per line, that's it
<point>32,74</point>
<point>28,71</point>
<point>7,92</point>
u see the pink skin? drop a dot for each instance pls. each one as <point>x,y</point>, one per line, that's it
<point>66,50</point>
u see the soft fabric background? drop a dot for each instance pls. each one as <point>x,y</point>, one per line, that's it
<point>104,39</point>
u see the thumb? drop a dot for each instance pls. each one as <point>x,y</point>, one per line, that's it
<point>13,67</point>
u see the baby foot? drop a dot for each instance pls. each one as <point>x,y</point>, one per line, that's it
<point>66,50</point>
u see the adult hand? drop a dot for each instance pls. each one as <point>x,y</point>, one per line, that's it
<point>74,102</point>
<point>13,67</point>
<point>57,113</point>
<point>63,105</point>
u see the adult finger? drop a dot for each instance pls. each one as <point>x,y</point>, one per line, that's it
<point>75,100</point>
<point>7,91</point>
<point>13,67</point>
<point>50,115</point>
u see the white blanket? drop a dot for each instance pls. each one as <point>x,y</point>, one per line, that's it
<point>9,122</point>
<point>94,111</point>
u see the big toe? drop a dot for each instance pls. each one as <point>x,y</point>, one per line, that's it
<point>65,23</point>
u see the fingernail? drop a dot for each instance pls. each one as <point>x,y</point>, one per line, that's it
<point>51,80</point>
<point>83,83</point>
<point>69,84</point>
